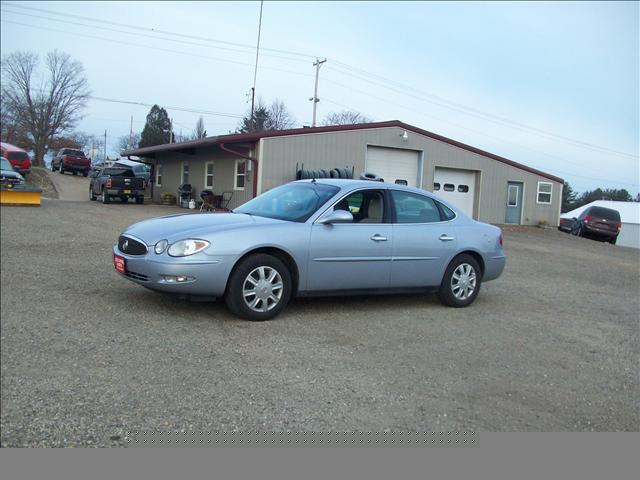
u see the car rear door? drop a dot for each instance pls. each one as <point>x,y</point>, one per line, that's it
<point>356,255</point>
<point>422,242</point>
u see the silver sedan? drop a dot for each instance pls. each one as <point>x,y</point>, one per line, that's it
<point>318,237</point>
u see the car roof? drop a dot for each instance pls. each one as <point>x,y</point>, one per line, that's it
<point>130,163</point>
<point>352,184</point>
<point>11,148</point>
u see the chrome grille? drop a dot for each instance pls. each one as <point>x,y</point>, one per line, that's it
<point>131,246</point>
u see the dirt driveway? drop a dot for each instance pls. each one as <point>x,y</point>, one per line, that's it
<point>73,188</point>
<point>87,356</point>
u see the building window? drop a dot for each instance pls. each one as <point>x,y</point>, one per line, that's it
<point>185,172</point>
<point>463,188</point>
<point>512,196</point>
<point>159,175</point>
<point>544,192</point>
<point>208,175</point>
<point>436,187</point>
<point>449,187</point>
<point>241,166</point>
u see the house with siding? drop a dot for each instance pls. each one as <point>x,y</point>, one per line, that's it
<point>488,187</point>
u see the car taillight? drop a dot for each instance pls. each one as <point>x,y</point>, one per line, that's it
<point>619,225</point>
<point>587,219</point>
<point>108,184</point>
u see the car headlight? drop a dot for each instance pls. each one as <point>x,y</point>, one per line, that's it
<point>184,248</point>
<point>160,246</point>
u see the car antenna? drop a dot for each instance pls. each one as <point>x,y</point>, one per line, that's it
<point>313,180</point>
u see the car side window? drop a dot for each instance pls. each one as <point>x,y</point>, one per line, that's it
<point>414,208</point>
<point>366,206</point>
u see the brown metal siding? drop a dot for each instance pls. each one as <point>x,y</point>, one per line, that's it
<point>346,148</point>
<point>223,171</point>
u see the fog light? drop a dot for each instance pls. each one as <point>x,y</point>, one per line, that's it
<point>177,278</point>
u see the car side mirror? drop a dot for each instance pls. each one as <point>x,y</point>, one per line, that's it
<point>337,216</point>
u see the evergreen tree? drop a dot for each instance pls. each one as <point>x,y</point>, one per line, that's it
<point>569,196</point>
<point>156,130</point>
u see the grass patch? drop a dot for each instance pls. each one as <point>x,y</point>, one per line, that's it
<point>39,178</point>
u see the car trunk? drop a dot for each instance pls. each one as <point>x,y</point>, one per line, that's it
<point>604,219</point>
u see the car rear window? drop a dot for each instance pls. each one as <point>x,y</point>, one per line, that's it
<point>17,156</point>
<point>607,213</point>
<point>76,153</point>
<point>118,172</point>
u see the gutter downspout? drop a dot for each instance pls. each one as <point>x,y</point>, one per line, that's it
<point>251,159</point>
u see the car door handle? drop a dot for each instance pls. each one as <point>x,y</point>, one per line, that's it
<point>445,238</point>
<point>378,238</point>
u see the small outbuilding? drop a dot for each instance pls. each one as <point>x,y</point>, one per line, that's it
<point>629,235</point>
<point>487,187</point>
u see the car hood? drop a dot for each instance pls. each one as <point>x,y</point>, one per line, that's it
<point>11,174</point>
<point>198,225</point>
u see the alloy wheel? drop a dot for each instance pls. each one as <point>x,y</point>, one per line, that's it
<point>463,281</point>
<point>262,289</point>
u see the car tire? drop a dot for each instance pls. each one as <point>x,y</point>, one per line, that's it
<point>461,282</point>
<point>74,173</point>
<point>258,288</point>
<point>60,169</point>
<point>52,166</point>
<point>613,240</point>
<point>105,198</point>
<point>92,196</point>
<point>124,199</point>
<point>139,200</point>
<point>84,174</point>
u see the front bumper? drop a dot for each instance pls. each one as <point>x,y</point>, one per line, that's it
<point>209,273</point>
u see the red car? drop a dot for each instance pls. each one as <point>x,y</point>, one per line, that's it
<point>18,158</point>
<point>71,160</point>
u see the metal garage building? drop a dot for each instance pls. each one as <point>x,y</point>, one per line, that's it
<point>486,186</point>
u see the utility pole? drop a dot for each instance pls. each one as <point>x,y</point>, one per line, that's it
<point>315,98</point>
<point>130,135</point>
<point>255,71</point>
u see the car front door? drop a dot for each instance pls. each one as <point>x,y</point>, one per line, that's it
<point>350,256</point>
<point>423,241</point>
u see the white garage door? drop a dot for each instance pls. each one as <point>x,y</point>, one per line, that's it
<point>393,164</point>
<point>456,187</point>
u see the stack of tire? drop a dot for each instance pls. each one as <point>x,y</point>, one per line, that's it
<point>334,173</point>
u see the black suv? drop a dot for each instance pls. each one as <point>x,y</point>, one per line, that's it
<point>599,222</point>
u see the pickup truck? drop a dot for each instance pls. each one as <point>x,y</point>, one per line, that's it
<point>71,160</point>
<point>116,182</point>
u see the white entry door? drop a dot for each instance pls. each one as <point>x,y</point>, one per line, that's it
<point>393,164</point>
<point>457,187</point>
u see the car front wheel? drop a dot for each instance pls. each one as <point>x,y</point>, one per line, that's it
<point>461,282</point>
<point>258,288</point>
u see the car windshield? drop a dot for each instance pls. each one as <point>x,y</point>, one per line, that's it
<point>294,202</point>
<point>76,153</point>
<point>607,213</point>
<point>18,156</point>
<point>5,165</point>
<point>118,172</point>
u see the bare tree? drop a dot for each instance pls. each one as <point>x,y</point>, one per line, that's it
<point>126,143</point>
<point>200,131</point>
<point>345,117</point>
<point>279,116</point>
<point>47,106</point>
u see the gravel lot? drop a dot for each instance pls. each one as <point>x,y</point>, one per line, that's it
<point>87,356</point>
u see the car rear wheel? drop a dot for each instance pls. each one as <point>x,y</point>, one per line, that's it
<point>461,282</point>
<point>139,200</point>
<point>259,288</point>
<point>84,174</point>
<point>613,240</point>
<point>92,196</point>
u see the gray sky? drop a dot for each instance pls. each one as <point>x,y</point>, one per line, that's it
<point>552,85</point>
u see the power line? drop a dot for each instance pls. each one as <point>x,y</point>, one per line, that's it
<point>180,52</point>
<point>180,109</point>
<point>352,71</point>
